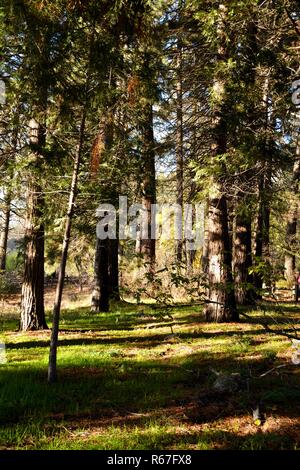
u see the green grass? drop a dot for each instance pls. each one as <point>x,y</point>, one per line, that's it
<point>125,382</point>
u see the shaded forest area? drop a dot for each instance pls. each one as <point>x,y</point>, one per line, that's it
<point>149,234</point>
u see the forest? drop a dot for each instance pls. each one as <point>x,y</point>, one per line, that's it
<point>149,232</point>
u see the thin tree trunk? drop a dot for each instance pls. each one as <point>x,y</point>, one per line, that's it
<point>148,185</point>
<point>262,245</point>
<point>262,236</point>
<point>266,253</point>
<point>52,368</point>
<point>7,205</point>
<point>289,258</point>
<point>292,222</point>
<point>5,231</point>
<point>231,219</point>
<point>179,145</point>
<point>205,253</point>
<point>259,238</point>
<point>138,242</point>
<point>190,253</point>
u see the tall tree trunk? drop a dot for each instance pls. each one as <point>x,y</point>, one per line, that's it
<point>292,221</point>
<point>5,231</point>
<point>242,260</point>
<point>190,252</point>
<point>259,238</point>
<point>138,242</point>
<point>7,202</point>
<point>148,185</point>
<point>52,367</point>
<point>262,237</point>
<point>220,304</point>
<point>262,240</point>
<point>106,264</point>
<point>291,230</point>
<point>113,269</point>
<point>101,290</point>
<point>32,298</point>
<point>179,145</point>
<point>266,253</point>
<point>231,220</point>
<point>205,252</point>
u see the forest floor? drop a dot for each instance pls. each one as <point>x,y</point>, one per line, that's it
<point>134,378</point>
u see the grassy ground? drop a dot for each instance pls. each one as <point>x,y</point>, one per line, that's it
<point>127,382</point>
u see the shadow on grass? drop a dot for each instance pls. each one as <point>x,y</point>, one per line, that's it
<point>119,386</point>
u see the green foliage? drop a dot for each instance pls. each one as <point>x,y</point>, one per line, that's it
<point>15,260</point>
<point>269,273</point>
<point>163,286</point>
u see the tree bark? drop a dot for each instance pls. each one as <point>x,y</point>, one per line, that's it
<point>52,367</point>
<point>292,222</point>
<point>262,236</point>
<point>106,265</point>
<point>220,305</point>
<point>259,239</point>
<point>32,298</point>
<point>262,240</point>
<point>242,260</point>
<point>113,269</point>
<point>147,245</point>
<point>138,242</point>
<point>190,252</point>
<point>101,291</point>
<point>266,214</point>
<point>5,231</point>
<point>205,252</point>
<point>179,146</point>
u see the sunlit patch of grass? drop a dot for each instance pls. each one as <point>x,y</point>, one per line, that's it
<point>148,434</point>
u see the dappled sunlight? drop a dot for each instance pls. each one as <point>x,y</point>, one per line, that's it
<point>127,381</point>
